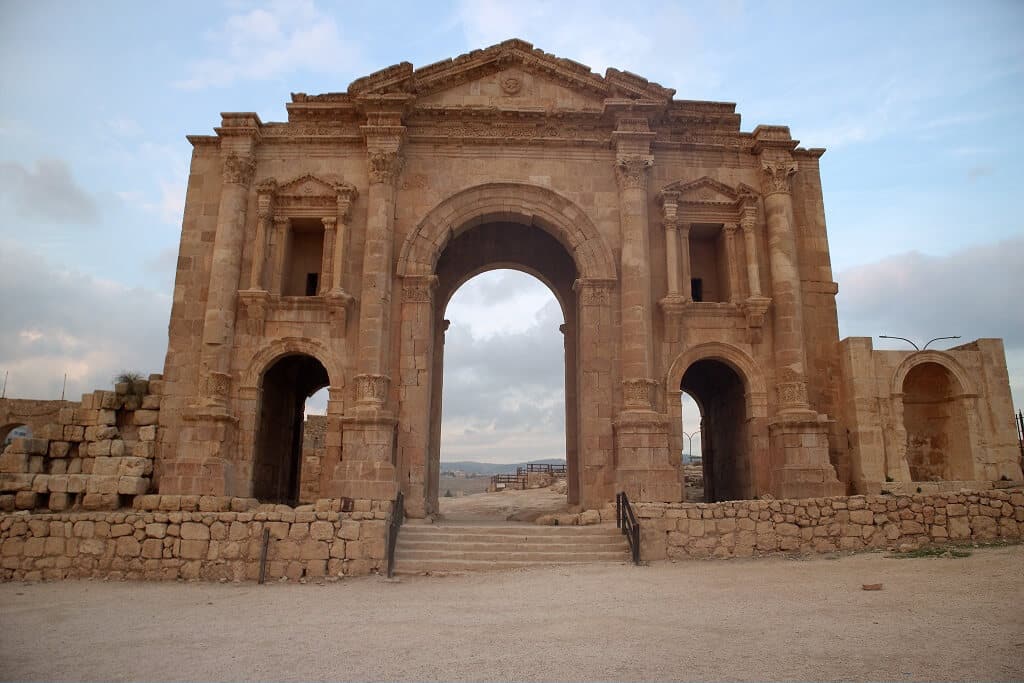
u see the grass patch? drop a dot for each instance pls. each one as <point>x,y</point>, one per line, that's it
<point>933,552</point>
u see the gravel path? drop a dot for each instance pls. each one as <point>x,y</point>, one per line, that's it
<point>774,619</point>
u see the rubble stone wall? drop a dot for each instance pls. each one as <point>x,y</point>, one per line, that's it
<point>193,537</point>
<point>94,454</point>
<point>821,525</point>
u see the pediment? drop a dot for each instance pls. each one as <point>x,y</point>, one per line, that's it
<point>307,185</point>
<point>705,191</point>
<point>512,74</point>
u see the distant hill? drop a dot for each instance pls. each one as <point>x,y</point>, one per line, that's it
<point>495,468</point>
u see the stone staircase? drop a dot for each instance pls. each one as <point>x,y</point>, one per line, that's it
<point>425,548</point>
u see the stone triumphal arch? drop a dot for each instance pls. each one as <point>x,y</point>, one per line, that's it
<point>687,256</point>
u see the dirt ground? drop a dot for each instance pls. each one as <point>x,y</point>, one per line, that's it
<point>772,619</point>
<point>511,505</point>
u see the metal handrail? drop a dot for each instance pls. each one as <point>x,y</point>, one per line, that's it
<point>397,516</point>
<point>626,520</point>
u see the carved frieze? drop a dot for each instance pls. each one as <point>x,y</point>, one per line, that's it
<point>217,386</point>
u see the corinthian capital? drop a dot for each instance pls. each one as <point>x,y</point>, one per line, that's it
<point>238,170</point>
<point>631,171</point>
<point>385,165</point>
<point>775,176</point>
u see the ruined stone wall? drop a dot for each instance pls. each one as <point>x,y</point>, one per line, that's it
<point>314,439</point>
<point>824,525</point>
<point>193,537</point>
<point>96,454</point>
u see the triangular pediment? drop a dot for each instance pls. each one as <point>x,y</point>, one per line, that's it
<point>705,191</point>
<point>307,185</point>
<point>511,74</point>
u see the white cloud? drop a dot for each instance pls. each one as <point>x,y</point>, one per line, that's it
<point>57,321</point>
<point>266,42</point>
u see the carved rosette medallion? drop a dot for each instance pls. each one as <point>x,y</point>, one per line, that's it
<point>631,171</point>
<point>511,83</point>
<point>418,289</point>
<point>636,393</point>
<point>371,390</point>
<point>238,170</point>
<point>776,176</point>
<point>384,166</point>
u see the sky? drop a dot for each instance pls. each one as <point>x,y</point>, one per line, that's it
<point>918,104</point>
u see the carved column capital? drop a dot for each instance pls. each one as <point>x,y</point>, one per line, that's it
<point>371,390</point>
<point>418,289</point>
<point>776,175</point>
<point>631,171</point>
<point>329,222</point>
<point>238,170</point>
<point>384,165</point>
<point>281,222</point>
<point>347,195</point>
<point>730,229</point>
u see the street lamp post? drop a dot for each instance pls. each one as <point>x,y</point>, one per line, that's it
<point>689,436</point>
<point>916,347</point>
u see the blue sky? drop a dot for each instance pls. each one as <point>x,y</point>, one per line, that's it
<point>918,104</point>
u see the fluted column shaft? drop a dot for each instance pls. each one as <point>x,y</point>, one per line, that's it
<point>346,195</point>
<point>326,259</point>
<point>734,262</point>
<point>684,259</point>
<point>750,242</point>
<point>672,256</point>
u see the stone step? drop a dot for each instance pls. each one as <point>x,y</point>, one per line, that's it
<point>510,530</point>
<point>490,543</point>
<point>502,555</point>
<point>423,566</point>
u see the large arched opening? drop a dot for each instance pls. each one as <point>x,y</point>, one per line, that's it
<point>935,418</point>
<point>720,395</point>
<point>285,387</point>
<point>531,250</point>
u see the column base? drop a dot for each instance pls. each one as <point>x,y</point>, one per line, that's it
<point>645,469</point>
<point>367,468</point>
<point>800,444</point>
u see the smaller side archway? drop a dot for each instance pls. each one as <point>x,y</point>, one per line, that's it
<point>728,388</point>
<point>284,388</point>
<point>936,418</point>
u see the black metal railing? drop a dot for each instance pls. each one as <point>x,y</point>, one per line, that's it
<point>625,519</point>
<point>1020,432</point>
<point>397,516</point>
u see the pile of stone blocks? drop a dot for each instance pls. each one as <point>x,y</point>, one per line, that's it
<point>98,455</point>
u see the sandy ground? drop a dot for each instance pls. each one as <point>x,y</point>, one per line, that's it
<point>511,505</point>
<point>774,619</point>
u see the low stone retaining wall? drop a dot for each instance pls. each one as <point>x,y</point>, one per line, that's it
<point>821,525</point>
<point>310,541</point>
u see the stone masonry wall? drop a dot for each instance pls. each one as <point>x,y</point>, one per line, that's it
<point>96,455</point>
<point>192,537</point>
<point>820,525</point>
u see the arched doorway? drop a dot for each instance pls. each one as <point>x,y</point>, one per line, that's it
<point>10,432</point>
<point>719,393</point>
<point>284,389</point>
<point>935,417</point>
<point>503,399</point>
<point>529,249</point>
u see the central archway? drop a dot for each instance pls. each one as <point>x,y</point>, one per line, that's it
<point>527,228</point>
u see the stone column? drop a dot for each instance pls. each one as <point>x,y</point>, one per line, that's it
<point>798,434</point>
<point>734,262</point>
<point>281,226</point>
<point>748,219</point>
<point>635,286</point>
<point>671,250</point>
<point>326,269</point>
<point>416,361</point>
<point>369,451</point>
<point>264,204</point>
<point>684,244</point>
<point>346,196</point>
<point>225,271</point>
